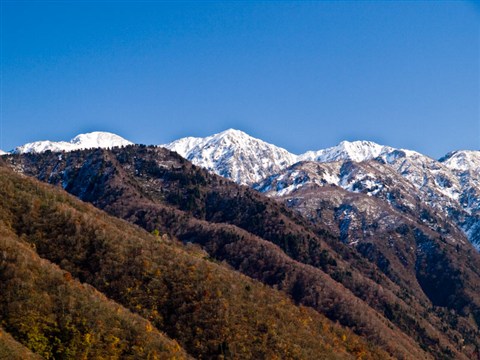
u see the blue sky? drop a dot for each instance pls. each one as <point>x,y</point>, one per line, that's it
<point>301,75</point>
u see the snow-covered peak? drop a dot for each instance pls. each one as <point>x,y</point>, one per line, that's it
<point>464,160</point>
<point>91,140</point>
<point>355,151</point>
<point>3,152</point>
<point>99,139</point>
<point>184,146</point>
<point>42,146</point>
<point>234,155</point>
<point>234,133</point>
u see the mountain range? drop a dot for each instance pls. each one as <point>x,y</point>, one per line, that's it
<point>450,185</point>
<point>376,238</point>
<point>246,160</point>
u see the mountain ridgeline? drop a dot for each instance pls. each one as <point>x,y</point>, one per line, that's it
<point>354,241</point>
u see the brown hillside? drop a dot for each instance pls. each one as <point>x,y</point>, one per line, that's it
<point>211,310</point>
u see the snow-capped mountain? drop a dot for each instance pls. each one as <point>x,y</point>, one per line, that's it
<point>449,187</point>
<point>355,151</point>
<point>359,201</point>
<point>3,152</point>
<point>451,183</point>
<point>96,139</point>
<point>234,155</point>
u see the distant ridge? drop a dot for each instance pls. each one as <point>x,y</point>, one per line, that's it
<point>346,150</point>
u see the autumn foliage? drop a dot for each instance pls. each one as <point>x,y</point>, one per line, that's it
<point>77,283</point>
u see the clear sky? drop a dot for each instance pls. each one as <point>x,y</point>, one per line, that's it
<point>301,75</point>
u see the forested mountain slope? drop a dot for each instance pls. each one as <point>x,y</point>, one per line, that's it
<point>161,191</point>
<point>68,270</point>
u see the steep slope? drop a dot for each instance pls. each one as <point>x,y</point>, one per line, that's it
<point>57,317</point>
<point>393,219</point>
<point>211,310</point>
<point>145,185</point>
<point>234,155</point>
<point>465,165</point>
<point>91,140</point>
<point>443,186</point>
<point>369,206</point>
<point>51,313</point>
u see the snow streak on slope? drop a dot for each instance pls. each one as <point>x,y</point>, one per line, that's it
<point>91,140</point>
<point>234,155</point>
